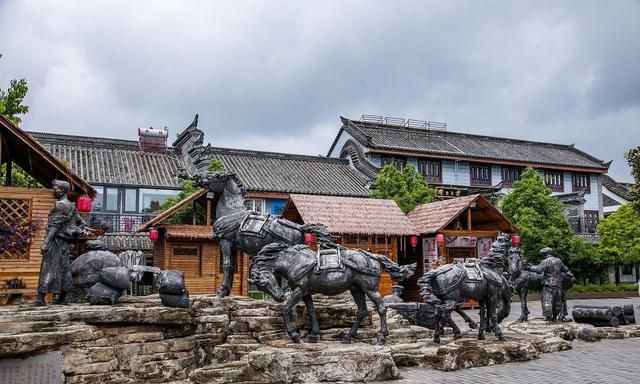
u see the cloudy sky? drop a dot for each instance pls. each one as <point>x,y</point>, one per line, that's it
<point>275,75</point>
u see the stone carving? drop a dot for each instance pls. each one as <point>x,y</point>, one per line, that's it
<point>523,280</point>
<point>238,228</point>
<point>64,224</point>
<point>329,272</point>
<point>450,285</point>
<point>553,295</point>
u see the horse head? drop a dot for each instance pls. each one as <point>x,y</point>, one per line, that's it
<point>516,264</point>
<point>214,181</point>
<point>267,282</point>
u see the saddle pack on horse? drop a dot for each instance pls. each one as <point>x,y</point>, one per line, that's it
<point>252,224</point>
<point>457,273</point>
<point>333,259</point>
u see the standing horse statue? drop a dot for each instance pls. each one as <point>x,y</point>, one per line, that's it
<point>238,228</point>
<point>329,272</point>
<point>523,281</point>
<point>450,285</point>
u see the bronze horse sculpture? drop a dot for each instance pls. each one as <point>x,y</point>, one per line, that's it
<point>450,285</point>
<point>239,228</point>
<point>523,281</point>
<point>329,272</point>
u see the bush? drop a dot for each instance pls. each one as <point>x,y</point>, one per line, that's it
<point>604,287</point>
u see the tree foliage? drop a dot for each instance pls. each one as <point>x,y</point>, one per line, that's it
<point>19,177</point>
<point>215,165</point>
<point>407,187</point>
<point>11,100</point>
<point>539,218</point>
<point>185,215</point>
<point>633,157</point>
<point>620,236</point>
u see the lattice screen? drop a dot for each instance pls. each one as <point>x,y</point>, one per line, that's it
<point>15,212</point>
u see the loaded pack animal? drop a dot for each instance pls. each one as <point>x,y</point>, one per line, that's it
<point>450,285</point>
<point>522,281</point>
<point>329,272</point>
<point>236,227</point>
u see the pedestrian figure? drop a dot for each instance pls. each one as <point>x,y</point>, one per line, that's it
<point>551,269</point>
<point>63,225</point>
<point>395,296</point>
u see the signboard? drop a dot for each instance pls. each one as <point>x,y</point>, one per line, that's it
<point>430,252</point>
<point>484,246</point>
<point>39,369</point>
<point>460,241</point>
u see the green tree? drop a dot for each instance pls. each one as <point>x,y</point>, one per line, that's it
<point>539,218</point>
<point>19,177</point>
<point>633,157</point>
<point>407,187</point>
<point>185,215</point>
<point>215,165</point>
<point>620,236</point>
<point>11,100</point>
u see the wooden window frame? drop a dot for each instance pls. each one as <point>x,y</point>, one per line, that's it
<point>507,173</point>
<point>474,180</point>
<point>576,181</point>
<point>549,175</point>
<point>395,161</point>
<point>427,165</point>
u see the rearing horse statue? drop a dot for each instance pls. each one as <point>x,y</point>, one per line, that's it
<point>240,229</point>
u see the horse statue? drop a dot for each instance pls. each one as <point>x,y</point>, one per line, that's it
<point>523,281</point>
<point>329,272</point>
<point>238,228</point>
<point>450,285</point>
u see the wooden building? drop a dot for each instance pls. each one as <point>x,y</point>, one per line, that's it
<point>375,225</point>
<point>21,207</point>
<point>466,227</point>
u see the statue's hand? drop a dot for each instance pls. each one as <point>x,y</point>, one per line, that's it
<point>44,248</point>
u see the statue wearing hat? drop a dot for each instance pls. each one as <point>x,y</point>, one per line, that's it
<point>551,269</point>
<point>64,224</point>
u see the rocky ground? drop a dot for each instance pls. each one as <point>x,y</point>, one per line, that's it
<point>240,340</point>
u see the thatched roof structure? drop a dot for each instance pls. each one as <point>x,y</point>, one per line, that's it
<point>190,232</point>
<point>350,215</point>
<point>171,211</point>
<point>432,217</point>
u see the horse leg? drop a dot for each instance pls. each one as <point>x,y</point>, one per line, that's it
<point>493,314</point>
<point>483,319</point>
<point>361,301</point>
<point>296,295</point>
<point>467,319</point>
<point>382,311</point>
<point>228,267</point>
<point>456,331</point>
<point>311,310</point>
<point>524,310</point>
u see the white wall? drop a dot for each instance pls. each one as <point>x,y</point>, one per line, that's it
<point>455,174</point>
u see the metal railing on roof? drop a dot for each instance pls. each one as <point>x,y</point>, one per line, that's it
<point>399,122</point>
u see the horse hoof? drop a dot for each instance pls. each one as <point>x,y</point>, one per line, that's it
<point>480,337</point>
<point>436,340</point>
<point>457,336</point>
<point>346,339</point>
<point>223,292</point>
<point>295,337</point>
<point>381,340</point>
<point>502,338</point>
<point>473,325</point>
<point>312,339</point>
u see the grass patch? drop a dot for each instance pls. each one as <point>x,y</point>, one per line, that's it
<point>604,288</point>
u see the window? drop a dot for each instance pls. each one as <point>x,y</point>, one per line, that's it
<point>256,205</point>
<point>130,200</point>
<point>152,199</point>
<point>591,219</point>
<point>186,251</point>
<point>627,270</point>
<point>398,162</point>
<point>98,201</point>
<point>480,174</point>
<point>431,170</point>
<point>277,207</point>
<point>111,200</point>
<point>554,180</point>
<point>581,182</point>
<point>510,175</point>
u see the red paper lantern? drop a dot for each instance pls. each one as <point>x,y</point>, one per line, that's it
<point>83,204</point>
<point>515,239</point>
<point>153,235</point>
<point>413,240</point>
<point>309,238</point>
<point>440,238</point>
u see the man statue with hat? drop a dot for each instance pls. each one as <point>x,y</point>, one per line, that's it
<point>551,269</point>
<point>63,225</point>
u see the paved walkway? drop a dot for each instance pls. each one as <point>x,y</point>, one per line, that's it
<point>607,361</point>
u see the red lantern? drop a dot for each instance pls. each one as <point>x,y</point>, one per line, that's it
<point>515,239</point>
<point>413,240</point>
<point>440,238</point>
<point>309,238</point>
<point>153,235</point>
<point>83,204</point>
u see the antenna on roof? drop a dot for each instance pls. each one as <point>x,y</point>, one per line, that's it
<point>408,123</point>
<point>153,140</point>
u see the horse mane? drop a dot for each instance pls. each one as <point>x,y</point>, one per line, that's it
<point>321,232</point>
<point>234,177</point>
<point>270,252</point>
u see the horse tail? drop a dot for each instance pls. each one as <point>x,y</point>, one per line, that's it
<point>397,272</point>
<point>505,296</point>
<point>320,232</point>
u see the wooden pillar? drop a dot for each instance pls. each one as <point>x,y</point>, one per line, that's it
<point>469,219</point>
<point>7,180</point>
<point>208,219</point>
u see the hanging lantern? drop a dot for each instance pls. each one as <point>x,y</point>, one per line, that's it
<point>440,238</point>
<point>413,240</point>
<point>309,238</point>
<point>153,235</point>
<point>515,239</point>
<point>83,204</point>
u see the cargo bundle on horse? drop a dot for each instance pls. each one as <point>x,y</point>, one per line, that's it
<point>329,272</point>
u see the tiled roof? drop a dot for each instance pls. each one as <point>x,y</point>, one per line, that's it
<point>467,146</point>
<point>589,237</point>
<point>113,161</point>
<point>616,187</point>
<point>282,172</point>
<point>353,215</point>
<point>117,242</point>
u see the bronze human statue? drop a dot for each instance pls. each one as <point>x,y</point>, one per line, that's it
<point>395,296</point>
<point>64,224</point>
<point>551,269</point>
<point>522,281</point>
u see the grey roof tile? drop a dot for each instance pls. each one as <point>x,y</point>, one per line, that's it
<point>615,187</point>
